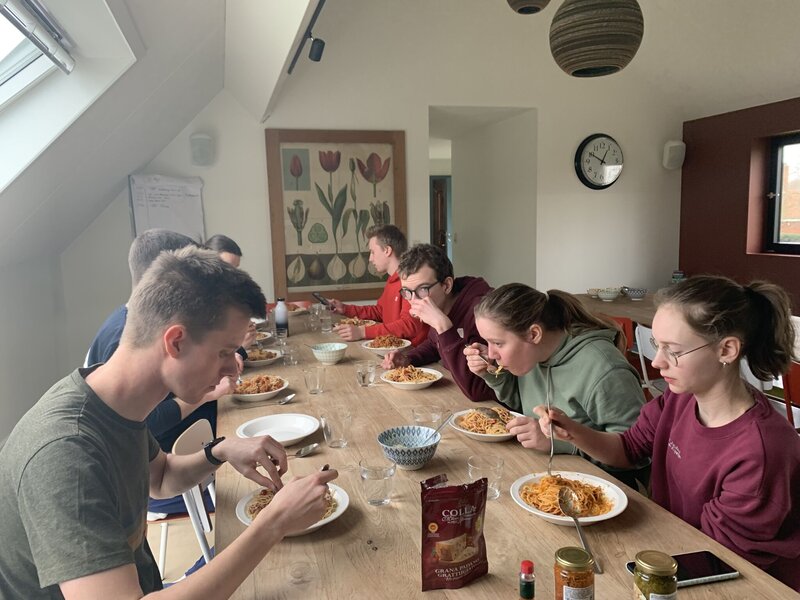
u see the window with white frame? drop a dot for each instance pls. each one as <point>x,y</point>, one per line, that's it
<point>782,222</point>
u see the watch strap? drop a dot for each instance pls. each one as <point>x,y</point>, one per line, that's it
<point>208,446</point>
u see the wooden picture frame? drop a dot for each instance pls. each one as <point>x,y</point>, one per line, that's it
<point>326,188</point>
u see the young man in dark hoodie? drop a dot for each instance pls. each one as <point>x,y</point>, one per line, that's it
<point>446,303</point>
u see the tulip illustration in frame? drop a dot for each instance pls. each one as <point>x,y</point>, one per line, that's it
<point>326,189</point>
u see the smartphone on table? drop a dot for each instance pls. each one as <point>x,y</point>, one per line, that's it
<point>695,568</point>
<point>320,298</point>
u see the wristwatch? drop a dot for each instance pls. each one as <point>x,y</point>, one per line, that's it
<point>207,449</point>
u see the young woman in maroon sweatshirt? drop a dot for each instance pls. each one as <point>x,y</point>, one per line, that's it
<point>723,459</point>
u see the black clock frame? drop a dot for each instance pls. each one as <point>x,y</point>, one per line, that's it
<point>579,171</point>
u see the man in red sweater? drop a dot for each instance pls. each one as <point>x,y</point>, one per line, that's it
<point>447,304</point>
<point>386,244</point>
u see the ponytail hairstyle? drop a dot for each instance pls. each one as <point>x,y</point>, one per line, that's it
<point>516,307</point>
<point>758,314</point>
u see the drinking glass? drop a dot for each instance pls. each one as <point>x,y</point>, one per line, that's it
<point>428,416</point>
<point>290,355</point>
<point>336,425</point>
<point>487,466</point>
<point>365,372</point>
<point>314,322</point>
<point>315,379</point>
<point>376,479</point>
<point>325,320</point>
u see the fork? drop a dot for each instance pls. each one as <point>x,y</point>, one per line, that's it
<point>552,443</point>
<point>491,368</point>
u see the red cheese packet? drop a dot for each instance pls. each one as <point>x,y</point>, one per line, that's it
<point>453,548</point>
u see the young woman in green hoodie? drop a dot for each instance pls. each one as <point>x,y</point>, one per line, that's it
<point>548,343</point>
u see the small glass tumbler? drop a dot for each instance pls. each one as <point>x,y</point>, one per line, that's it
<point>326,321</point>
<point>314,322</point>
<point>365,372</point>
<point>487,466</point>
<point>290,355</point>
<point>376,479</point>
<point>428,416</point>
<point>336,425</point>
<point>315,379</point>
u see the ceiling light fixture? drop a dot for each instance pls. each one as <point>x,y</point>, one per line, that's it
<point>592,38</point>
<point>528,7</point>
<point>317,45</point>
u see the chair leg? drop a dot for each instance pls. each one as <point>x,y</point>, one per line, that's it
<point>162,550</point>
<point>197,525</point>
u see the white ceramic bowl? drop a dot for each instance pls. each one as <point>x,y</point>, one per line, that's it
<point>286,428</point>
<point>262,396</point>
<point>329,353</point>
<point>608,294</point>
<point>421,385</point>
<point>401,444</point>
<point>383,351</point>
<point>592,292</point>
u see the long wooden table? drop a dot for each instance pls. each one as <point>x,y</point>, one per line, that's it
<point>374,552</point>
<point>638,311</point>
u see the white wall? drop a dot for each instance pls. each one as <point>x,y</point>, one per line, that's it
<point>30,337</point>
<point>494,201</point>
<point>385,63</point>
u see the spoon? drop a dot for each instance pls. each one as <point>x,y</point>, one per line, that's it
<point>427,439</point>
<point>286,399</point>
<point>488,412</point>
<point>567,502</point>
<point>305,451</point>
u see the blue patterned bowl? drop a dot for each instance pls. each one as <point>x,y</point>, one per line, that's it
<point>401,444</point>
<point>329,353</point>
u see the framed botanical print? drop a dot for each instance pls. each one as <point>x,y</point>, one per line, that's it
<point>326,189</point>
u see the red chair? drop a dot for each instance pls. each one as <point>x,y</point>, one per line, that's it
<point>791,390</point>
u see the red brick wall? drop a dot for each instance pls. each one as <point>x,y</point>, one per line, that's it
<point>724,181</point>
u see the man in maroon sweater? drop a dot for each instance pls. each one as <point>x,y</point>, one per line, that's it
<point>386,244</point>
<point>447,304</point>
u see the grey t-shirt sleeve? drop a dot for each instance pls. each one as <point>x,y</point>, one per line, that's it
<point>70,515</point>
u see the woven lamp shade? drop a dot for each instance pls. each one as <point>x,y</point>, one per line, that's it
<point>591,38</point>
<point>527,7</point>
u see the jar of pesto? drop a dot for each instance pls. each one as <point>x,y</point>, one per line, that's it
<point>654,576</point>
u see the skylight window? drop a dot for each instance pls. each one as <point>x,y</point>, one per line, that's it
<point>16,51</point>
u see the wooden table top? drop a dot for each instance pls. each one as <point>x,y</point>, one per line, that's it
<point>374,552</point>
<point>638,311</point>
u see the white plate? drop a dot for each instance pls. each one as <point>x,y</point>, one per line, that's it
<point>404,385</point>
<point>262,396</point>
<point>617,497</point>
<point>264,338</point>
<point>342,502</point>
<point>383,351</point>
<point>287,428</point>
<point>264,362</point>
<point>298,312</point>
<point>481,437</point>
<point>364,322</point>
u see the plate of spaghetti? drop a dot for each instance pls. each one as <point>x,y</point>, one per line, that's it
<point>357,322</point>
<point>599,499</point>
<point>383,344</point>
<point>258,357</point>
<point>336,501</point>
<point>260,387</point>
<point>482,428</point>
<point>411,378</point>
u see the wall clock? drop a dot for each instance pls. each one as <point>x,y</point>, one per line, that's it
<point>598,161</point>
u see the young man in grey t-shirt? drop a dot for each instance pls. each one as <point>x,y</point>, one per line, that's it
<point>76,470</point>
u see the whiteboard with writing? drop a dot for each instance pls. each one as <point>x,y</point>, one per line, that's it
<point>174,203</point>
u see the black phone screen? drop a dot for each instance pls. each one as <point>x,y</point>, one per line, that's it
<point>699,567</point>
<point>320,297</point>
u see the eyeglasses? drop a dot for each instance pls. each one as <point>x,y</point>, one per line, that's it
<point>422,291</point>
<point>674,356</point>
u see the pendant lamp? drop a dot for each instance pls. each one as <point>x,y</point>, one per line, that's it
<point>592,38</point>
<point>527,7</point>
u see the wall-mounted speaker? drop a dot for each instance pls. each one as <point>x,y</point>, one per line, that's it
<point>202,146</point>
<point>674,153</point>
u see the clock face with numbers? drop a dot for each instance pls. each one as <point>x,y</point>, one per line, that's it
<point>598,161</point>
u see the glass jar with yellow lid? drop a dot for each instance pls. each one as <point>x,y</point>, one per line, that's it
<point>574,574</point>
<point>654,576</point>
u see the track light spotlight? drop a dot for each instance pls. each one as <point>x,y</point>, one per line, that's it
<point>316,50</point>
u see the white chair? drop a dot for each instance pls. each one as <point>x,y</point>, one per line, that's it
<point>189,442</point>
<point>643,334</point>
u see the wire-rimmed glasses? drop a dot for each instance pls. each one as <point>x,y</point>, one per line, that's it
<point>674,356</point>
<point>421,291</point>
